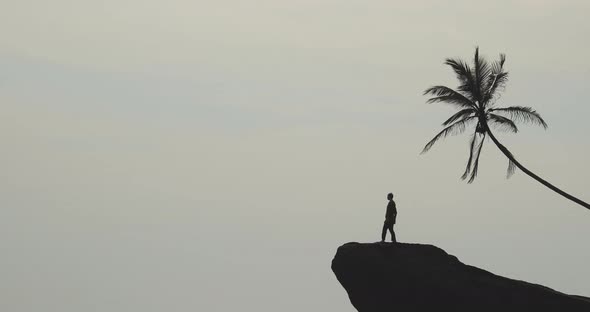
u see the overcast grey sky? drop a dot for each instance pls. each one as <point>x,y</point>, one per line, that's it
<point>211,156</point>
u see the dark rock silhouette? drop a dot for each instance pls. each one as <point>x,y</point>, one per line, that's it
<point>411,277</point>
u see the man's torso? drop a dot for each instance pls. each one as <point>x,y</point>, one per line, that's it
<point>391,212</point>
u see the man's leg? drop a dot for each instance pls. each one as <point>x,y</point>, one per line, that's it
<point>384,232</point>
<point>393,240</point>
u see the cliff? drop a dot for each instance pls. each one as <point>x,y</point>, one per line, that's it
<point>382,277</point>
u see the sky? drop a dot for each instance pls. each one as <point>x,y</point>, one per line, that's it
<point>212,155</point>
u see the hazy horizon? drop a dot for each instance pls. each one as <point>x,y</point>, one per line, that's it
<point>212,156</point>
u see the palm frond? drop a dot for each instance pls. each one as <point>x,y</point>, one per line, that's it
<point>498,79</point>
<point>465,76</point>
<point>497,85</point>
<point>471,148</point>
<point>476,159</point>
<point>523,114</point>
<point>503,122</point>
<point>462,113</point>
<point>447,95</point>
<point>511,165</point>
<point>456,128</point>
<point>482,71</point>
<point>501,61</point>
<point>511,169</point>
<point>498,66</point>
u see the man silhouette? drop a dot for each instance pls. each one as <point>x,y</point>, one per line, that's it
<point>390,216</point>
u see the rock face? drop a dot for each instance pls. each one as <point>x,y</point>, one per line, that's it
<point>384,277</point>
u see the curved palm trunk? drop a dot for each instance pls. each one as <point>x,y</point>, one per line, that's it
<point>532,175</point>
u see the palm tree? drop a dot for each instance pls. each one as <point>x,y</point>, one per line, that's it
<point>475,97</point>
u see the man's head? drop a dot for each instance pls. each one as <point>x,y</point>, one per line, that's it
<point>390,196</point>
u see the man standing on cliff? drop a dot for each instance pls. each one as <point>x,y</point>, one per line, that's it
<point>390,216</point>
